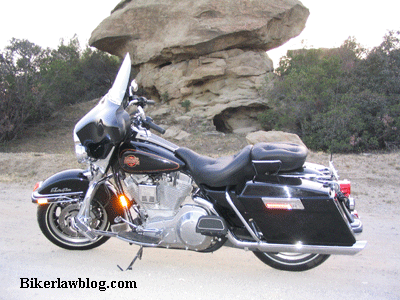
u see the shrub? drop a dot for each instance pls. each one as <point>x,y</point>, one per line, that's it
<point>344,99</point>
<point>34,81</point>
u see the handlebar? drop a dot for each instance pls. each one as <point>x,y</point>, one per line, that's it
<point>148,122</point>
<point>141,101</point>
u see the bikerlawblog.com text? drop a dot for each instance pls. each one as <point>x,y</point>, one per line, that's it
<point>79,283</point>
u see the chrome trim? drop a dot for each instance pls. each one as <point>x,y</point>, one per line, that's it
<point>266,161</point>
<point>82,219</point>
<point>145,135</point>
<point>105,233</point>
<point>296,248</point>
<point>56,198</point>
<point>229,200</point>
<point>357,226</point>
<point>206,205</point>
<point>136,242</point>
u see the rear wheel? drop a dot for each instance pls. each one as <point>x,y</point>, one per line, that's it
<point>56,219</point>
<point>291,261</point>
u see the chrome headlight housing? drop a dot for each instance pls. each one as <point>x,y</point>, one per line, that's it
<point>80,151</point>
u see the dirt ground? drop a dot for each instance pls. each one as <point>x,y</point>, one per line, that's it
<point>165,274</point>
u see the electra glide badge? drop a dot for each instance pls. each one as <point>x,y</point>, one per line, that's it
<point>60,190</point>
<point>131,161</point>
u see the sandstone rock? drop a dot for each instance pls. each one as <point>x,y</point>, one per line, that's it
<point>244,130</point>
<point>215,84</point>
<point>273,137</point>
<point>175,132</point>
<point>209,53</point>
<point>168,30</point>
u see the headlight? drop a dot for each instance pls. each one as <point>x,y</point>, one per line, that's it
<point>80,150</point>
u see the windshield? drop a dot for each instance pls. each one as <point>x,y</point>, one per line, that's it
<point>117,92</point>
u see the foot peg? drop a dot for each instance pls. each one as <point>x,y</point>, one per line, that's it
<point>84,229</point>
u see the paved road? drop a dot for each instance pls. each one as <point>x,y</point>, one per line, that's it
<point>172,274</point>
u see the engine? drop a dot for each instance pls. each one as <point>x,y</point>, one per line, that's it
<point>164,204</point>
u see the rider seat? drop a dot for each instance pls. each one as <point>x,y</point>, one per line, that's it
<point>250,161</point>
<point>218,172</point>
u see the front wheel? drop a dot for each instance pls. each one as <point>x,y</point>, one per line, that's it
<point>291,261</point>
<point>56,219</point>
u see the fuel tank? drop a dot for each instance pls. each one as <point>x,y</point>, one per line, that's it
<point>147,158</point>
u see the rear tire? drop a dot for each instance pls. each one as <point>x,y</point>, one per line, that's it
<point>55,222</point>
<point>291,261</point>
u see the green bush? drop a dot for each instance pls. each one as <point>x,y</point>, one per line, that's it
<point>34,82</point>
<point>343,100</point>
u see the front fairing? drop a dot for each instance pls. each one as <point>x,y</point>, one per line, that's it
<point>107,124</point>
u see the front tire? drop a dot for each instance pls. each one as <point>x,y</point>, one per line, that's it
<point>55,222</point>
<point>291,261</point>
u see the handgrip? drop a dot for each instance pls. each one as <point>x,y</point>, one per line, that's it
<point>150,102</point>
<point>149,122</point>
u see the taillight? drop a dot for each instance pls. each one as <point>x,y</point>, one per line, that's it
<point>279,206</point>
<point>345,187</point>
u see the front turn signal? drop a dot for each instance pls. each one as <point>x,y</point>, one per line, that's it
<point>124,201</point>
<point>42,201</point>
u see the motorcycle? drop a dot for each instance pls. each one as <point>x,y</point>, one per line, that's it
<point>147,191</point>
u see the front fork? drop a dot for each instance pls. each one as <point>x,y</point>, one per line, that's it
<point>83,219</point>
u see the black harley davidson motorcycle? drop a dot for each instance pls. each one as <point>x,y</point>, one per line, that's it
<point>150,192</point>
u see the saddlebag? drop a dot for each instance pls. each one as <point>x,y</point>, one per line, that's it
<point>291,210</point>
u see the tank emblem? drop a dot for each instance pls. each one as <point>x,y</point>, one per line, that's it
<point>131,161</point>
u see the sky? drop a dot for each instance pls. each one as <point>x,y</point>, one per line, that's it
<point>45,22</point>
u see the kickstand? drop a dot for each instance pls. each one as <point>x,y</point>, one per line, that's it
<point>138,255</point>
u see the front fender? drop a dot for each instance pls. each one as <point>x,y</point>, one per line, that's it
<point>71,186</point>
<point>61,187</point>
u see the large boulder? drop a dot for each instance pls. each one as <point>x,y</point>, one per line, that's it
<point>273,137</point>
<point>208,54</point>
<point>167,30</point>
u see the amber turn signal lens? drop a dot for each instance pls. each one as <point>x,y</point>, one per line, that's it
<point>123,200</point>
<point>42,201</point>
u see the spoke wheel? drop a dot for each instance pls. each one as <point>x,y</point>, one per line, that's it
<point>291,261</point>
<point>55,221</point>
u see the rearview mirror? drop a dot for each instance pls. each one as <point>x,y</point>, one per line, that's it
<point>133,87</point>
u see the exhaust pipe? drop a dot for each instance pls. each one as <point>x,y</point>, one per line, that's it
<point>295,248</point>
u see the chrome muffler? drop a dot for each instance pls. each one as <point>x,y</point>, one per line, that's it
<point>294,248</point>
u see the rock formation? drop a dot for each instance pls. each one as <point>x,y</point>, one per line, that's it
<point>273,137</point>
<point>209,54</point>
